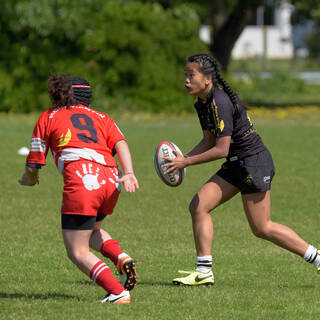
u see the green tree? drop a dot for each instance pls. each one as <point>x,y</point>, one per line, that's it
<point>310,9</point>
<point>229,18</point>
<point>132,53</point>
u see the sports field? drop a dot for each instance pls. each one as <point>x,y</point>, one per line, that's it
<point>254,279</point>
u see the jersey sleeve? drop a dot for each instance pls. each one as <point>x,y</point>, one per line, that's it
<point>114,134</point>
<point>39,144</point>
<point>225,111</point>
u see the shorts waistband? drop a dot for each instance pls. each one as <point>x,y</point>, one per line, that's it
<point>237,158</point>
<point>233,159</point>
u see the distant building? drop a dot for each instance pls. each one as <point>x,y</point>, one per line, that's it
<point>269,35</point>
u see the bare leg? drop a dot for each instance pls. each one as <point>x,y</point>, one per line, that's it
<point>98,236</point>
<point>77,246</point>
<point>257,208</point>
<point>213,193</point>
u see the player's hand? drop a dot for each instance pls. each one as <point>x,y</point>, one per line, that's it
<point>27,181</point>
<point>129,182</point>
<point>174,164</point>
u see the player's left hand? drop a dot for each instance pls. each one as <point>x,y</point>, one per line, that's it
<point>27,181</point>
<point>129,182</point>
<point>174,164</point>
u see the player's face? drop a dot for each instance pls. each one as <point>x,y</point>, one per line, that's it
<point>196,83</point>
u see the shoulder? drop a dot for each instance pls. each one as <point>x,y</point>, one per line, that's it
<point>89,112</point>
<point>221,98</point>
<point>45,115</point>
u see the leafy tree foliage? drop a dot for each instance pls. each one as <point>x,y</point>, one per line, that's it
<point>132,53</point>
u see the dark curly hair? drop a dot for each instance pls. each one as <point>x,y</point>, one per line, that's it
<point>208,66</point>
<point>60,91</point>
<point>67,91</point>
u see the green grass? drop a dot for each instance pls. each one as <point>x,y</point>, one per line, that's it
<point>254,279</point>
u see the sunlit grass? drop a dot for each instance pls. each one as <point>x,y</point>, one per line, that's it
<point>254,279</point>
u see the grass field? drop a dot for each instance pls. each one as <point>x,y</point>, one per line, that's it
<point>254,279</point>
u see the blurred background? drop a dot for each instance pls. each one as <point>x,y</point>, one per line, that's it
<point>133,52</point>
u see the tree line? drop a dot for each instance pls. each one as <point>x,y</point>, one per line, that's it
<point>132,52</point>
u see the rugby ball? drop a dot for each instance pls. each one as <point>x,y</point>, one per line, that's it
<point>165,149</point>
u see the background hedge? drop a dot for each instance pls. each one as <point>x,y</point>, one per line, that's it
<point>132,53</point>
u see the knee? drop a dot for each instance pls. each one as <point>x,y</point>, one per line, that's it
<point>197,209</point>
<point>194,207</point>
<point>76,255</point>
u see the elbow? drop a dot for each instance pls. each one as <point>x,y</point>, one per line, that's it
<point>223,153</point>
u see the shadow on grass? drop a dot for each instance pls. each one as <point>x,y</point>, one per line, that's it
<point>156,283</point>
<point>139,283</point>
<point>35,296</point>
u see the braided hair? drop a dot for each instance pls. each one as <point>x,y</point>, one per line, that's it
<point>67,91</point>
<point>208,66</point>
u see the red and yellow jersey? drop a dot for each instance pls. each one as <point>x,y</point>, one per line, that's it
<point>74,133</point>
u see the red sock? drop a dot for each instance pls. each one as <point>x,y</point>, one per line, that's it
<point>111,249</point>
<point>101,275</point>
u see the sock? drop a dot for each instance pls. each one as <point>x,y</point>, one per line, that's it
<point>312,256</point>
<point>204,264</point>
<point>101,275</point>
<point>111,250</point>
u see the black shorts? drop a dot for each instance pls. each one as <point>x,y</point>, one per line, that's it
<point>251,174</point>
<point>80,222</point>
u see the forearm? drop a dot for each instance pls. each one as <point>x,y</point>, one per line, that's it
<point>201,147</point>
<point>124,156</point>
<point>219,150</point>
<point>212,154</point>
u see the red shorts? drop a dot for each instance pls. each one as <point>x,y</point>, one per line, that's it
<point>89,188</point>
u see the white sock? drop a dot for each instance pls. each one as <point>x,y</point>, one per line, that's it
<point>204,264</point>
<point>123,254</point>
<point>312,256</point>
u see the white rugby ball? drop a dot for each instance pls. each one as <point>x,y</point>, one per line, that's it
<point>165,149</point>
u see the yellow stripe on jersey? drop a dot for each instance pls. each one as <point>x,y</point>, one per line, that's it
<point>221,125</point>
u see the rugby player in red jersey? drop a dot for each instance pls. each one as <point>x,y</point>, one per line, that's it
<point>83,143</point>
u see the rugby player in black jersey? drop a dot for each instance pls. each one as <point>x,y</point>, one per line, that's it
<point>228,133</point>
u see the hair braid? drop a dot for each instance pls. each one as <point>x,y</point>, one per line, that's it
<point>208,66</point>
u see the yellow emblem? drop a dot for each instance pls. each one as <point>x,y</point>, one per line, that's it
<point>64,139</point>
<point>221,125</point>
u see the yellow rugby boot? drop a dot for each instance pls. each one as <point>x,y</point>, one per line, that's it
<point>194,278</point>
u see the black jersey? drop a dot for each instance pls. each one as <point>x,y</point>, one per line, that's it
<point>217,114</point>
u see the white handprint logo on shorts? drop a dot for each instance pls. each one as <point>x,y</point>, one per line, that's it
<point>90,180</point>
<point>115,173</point>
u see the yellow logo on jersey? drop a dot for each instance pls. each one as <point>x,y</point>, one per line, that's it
<point>64,139</point>
<point>221,126</point>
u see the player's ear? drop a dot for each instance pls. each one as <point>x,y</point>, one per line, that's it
<point>207,80</point>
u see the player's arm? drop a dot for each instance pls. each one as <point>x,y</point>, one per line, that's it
<point>207,142</point>
<point>30,177</point>
<point>36,158</point>
<point>218,151</point>
<point>128,179</point>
